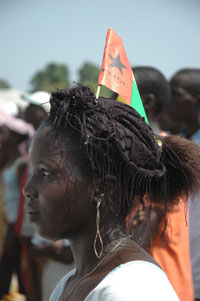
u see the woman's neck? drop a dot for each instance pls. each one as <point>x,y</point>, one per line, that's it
<point>83,247</point>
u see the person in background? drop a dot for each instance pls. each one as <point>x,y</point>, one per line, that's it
<point>9,108</point>
<point>185,108</point>
<point>37,109</point>
<point>14,132</point>
<point>173,253</point>
<point>155,93</point>
<point>185,105</point>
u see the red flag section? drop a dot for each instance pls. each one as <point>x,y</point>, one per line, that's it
<point>116,72</point>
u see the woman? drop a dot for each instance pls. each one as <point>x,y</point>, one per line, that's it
<point>92,161</point>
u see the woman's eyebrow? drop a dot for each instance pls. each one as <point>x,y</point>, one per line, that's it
<point>49,161</point>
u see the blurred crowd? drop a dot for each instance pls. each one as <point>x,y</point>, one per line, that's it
<point>37,263</point>
<point>172,107</point>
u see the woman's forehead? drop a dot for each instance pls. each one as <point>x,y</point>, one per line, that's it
<point>42,135</point>
<point>43,145</point>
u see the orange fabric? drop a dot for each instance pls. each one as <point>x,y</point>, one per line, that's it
<point>116,72</point>
<point>173,256</point>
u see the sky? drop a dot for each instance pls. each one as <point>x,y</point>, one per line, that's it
<point>161,33</point>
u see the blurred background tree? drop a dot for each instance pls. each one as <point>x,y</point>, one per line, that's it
<point>88,75</point>
<point>53,76</point>
<point>4,84</point>
<point>56,76</point>
<point>88,72</point>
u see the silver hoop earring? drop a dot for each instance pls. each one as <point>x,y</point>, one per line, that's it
<point>98,235</point>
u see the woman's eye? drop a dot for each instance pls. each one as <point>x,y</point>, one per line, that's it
<point>45,173</point>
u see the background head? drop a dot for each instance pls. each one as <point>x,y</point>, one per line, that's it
<point>13,132</point>
<point>5,140</point>
<point>35,115</point>
<point>185,105</point>
<point>154,90</point>
<point>9,144</point>
<point>38,108</point>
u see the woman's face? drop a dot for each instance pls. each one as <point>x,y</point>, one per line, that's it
<point>60,200</point>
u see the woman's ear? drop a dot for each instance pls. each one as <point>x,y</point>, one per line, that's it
<point>107,188</point>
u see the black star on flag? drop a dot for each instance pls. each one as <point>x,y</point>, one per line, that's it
<point>116,62</point>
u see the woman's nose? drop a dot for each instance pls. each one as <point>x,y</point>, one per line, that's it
<point>29,190</point>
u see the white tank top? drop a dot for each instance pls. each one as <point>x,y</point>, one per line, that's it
<point>132,281</point>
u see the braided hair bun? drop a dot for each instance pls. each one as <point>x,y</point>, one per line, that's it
<point>116,141</point>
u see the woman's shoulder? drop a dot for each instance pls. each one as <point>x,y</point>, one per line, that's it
<point>138,280</point>
<point>57,292</point>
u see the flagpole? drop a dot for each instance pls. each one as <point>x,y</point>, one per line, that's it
<point>98,91</point>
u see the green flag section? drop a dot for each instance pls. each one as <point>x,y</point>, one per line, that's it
<point>136,102</point>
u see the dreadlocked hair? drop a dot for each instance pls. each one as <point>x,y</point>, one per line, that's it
<point>116,141</point>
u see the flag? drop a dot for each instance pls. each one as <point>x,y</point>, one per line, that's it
<point>117,75</point>
<point>116,72</point>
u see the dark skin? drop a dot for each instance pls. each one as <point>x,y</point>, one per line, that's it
<point>146,232</point>
<point>185,104</point>
<point>35,115</point>
<point>151,109</point>
<point>169,125</point>
<point>62,204</point>
<point>184,107</point>
<point>9,146</point>
<point>157,119</point>
<point>4,140</point>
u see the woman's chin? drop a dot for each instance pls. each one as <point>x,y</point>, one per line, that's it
<point>47,235</point>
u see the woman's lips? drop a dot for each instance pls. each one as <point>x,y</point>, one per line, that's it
<point>33,213</point>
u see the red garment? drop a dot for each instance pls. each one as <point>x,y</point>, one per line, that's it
<point>26,242</point>
<point>173,256</point>
<point>20,217</point>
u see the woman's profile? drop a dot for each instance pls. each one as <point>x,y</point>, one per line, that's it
<point>92,161</point>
